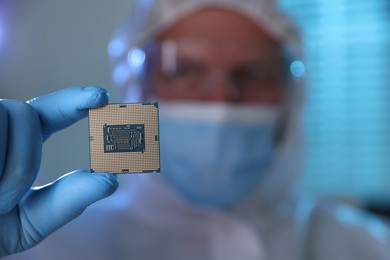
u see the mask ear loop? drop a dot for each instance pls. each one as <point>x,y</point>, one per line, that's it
<point>285,117</point>
<point>286,108</point>
<point>292,98</point>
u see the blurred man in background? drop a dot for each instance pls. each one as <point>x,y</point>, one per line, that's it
<point>230,146</point>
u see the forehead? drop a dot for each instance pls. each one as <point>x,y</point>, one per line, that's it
<point>218,24</point>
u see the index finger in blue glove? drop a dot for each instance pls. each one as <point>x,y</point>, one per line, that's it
<point>60,109</point>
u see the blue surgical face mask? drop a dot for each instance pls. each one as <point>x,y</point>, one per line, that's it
<point>214,155</point>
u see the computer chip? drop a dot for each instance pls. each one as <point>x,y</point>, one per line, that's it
<point>124,138</point>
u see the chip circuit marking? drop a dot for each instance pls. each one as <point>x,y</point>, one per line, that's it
<point>124,138</point>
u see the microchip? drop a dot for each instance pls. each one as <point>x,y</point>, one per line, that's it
<point>124,138</point>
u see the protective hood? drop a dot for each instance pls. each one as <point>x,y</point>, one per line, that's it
<point>148,18</point>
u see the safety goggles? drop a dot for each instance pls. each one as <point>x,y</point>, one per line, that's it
<point>191,69</point>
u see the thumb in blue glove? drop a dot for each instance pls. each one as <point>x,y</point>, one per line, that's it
<point>28,215</point>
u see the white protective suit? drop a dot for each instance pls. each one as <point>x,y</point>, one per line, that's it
<point>145,219</point>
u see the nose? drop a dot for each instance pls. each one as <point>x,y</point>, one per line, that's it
<point>222,89</point>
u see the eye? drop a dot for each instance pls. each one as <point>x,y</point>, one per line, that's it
<point>255,75</point>
<point>187,71</point>
<point>250,74</point>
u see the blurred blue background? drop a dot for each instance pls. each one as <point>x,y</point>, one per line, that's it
<point>347,114</point>
<point>47,45</point>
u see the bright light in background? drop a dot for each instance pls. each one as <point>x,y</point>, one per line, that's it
<point>373,225</point>
<point>136,58</point>
<point>129,68</point>
<point>116,48</point>
<point>297,68</point>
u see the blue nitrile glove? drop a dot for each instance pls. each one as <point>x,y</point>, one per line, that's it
<point>28,215</point>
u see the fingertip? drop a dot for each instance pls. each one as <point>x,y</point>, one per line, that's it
<point>63,108</point>
<point>93,88</point>
<point>99,96</point>
<point>110,177</point>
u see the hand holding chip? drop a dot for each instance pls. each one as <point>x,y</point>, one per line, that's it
<point>28,215</point>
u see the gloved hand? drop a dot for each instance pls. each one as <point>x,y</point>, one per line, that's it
<point>28,215</point>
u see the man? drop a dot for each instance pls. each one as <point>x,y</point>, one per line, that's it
<point>230,147</point>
